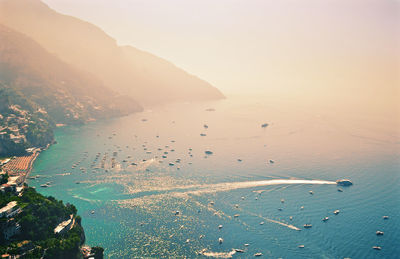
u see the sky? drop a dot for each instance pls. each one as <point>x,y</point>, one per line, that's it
<point>330,47</point>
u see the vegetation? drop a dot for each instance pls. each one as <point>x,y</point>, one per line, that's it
<point>39,216</point>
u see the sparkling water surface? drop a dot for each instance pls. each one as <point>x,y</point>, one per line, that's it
<point>156,209</point>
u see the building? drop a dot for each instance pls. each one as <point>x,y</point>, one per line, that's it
<point>11,229</point>
<point>65,226</point>
<point>10,210</point>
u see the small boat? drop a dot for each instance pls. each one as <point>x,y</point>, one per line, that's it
<point>203,134</point>
<point>187,240</point>
<point>336,212</point>
<point>307,226</point>
<point>311,192</point>
<point>301,246</point>
<point>236,215</point>
<point>220,226</point>
<point>385,217</point>
<point>264,125</point>
<point>377,247</point>
<point>325,219</point>
<point>258,254</point>
<point>271,161</point>
<point>291,217</point>
<point>282,201</point>
<point>171,164</point>
<point>177,212</point>
<point>246,244</point>
<point>212,203</point>
<point>339,190</point>
<point>379,233</point>
<point>280,209</point>
<point>205,126</point>
<point>220,240</point>
<point>44,185</point>
<point>239,160</point>
<point>92,212</point>
<point>236,206</point>
<point>344,182</point>
<point>208,152</point>
<point>262,223</point>
<point>239,250</point>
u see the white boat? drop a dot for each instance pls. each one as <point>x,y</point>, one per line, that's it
<point>220,240</point>
<point>336,212</point>
<point>258,254</point>
<point>377,247</point>
<point>325,219</point>
<point>379,233</point>
<point>301,246</point>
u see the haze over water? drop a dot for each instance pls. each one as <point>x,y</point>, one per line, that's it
<point>130,209</point>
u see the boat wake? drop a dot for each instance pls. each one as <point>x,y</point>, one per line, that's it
<point>218,254</point>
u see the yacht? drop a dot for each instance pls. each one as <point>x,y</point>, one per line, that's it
<point>344,182</point>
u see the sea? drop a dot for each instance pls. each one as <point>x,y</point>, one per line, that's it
<point>232,178</point>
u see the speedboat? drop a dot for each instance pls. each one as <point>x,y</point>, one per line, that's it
<point>307,226</point>
<point>258,254</point>
<point>325,219</point>
<point>336,212</point>
<point>379,233</point>
<point>377,247</point>
<point>301,246</point>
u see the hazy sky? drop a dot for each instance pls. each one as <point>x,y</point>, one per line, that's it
<point>261,45</point>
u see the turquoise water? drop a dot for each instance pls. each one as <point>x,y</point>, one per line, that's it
<point>130,209</point>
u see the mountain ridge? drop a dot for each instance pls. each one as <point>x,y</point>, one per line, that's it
<point>125,69</point>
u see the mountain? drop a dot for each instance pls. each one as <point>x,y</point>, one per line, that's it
<point>141,75</point>
<point>38,90</point>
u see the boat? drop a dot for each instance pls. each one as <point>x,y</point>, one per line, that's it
<point>325,219</point>
<point>336,212</point>
<point>236,215</point>
<point>239,250</point>
<point>44,185</point>
<point>262,223</point>
<point>92,212</point>
<point>307,226</point>
<point>208,152</point>
<point>212,203</point>
<point>291,217</point>
<point>203,134</point>
<point>377,247</point>
<point>246,244</point>
<point>171,164</point>
<point>258,254</point>
<point>344,182</point>
<point>282,200</point>
<point>220,226</point>
<point>264,125</point>
<point>379,233</point>
<point>205,126</point>
<point>301,246</point>
<point>271,161</point>
<point>311,192</point>
<point>339,190</point>
<point>220,240</point>
<point>177,212</point>
<point>385,217</point>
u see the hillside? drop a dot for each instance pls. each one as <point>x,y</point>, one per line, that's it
<point>38,91</point>
<point>141,75</point>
